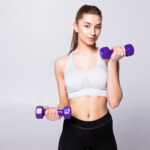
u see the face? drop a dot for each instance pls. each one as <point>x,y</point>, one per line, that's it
<point>88,27</point>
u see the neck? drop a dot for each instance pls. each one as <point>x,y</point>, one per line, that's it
<point>85,49</point>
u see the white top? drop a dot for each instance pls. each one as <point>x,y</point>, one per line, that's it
<point>85,82</point>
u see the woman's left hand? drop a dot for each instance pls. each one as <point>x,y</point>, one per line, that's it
<point>118,53</point>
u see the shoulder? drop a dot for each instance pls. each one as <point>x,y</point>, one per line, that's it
<point>60,63</point>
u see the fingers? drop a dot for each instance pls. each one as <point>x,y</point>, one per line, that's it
<point>51,113</point>
<point>119,50</point>
<point>45,107</point>
<point>122,50</point>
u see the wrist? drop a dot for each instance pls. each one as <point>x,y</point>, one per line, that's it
<point>110,62</point>
<point>61,106</point>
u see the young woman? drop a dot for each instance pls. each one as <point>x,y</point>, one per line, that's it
<point>86,82</point>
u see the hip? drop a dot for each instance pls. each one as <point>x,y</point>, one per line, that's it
<point>101,121</point>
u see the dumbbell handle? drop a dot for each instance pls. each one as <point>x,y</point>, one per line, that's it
<point>105,52</point>
<point>60,111</point>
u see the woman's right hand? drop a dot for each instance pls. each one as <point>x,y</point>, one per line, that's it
<point>51,113</point>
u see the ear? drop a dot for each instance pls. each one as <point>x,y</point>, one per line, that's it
<point>75,27</point>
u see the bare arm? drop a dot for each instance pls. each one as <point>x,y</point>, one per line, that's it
<point>114,92</point>
<point>59,75</point>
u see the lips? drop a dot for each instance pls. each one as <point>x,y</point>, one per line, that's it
<point>92,38</point>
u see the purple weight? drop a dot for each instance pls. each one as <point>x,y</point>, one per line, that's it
<point>105,52</point>
<point>66,112</point>
<point>39,112</point>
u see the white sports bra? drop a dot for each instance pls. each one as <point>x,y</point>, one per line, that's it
<point>85,82</point>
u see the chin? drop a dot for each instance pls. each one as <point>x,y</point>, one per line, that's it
<point>90,43</point>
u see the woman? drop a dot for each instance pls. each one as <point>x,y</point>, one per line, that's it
<point>82,77</point>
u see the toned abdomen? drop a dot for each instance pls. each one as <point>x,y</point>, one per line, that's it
<point>88,108</point>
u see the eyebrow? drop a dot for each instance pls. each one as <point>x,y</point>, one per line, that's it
<point>90,23</point>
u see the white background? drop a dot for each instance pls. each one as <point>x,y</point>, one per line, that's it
<point>33,33</point>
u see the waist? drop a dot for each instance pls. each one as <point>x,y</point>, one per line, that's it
<point>88,108</point>
<point>90,124</point>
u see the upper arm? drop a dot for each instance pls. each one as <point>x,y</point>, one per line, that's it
<point>59,66</point>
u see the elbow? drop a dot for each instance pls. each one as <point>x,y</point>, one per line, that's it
<point>114,101</point>
<point>115,104</point>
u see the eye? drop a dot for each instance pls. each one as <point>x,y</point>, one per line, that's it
<point>98,27</point>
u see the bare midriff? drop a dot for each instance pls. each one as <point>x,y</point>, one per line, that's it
<point>88,108</point>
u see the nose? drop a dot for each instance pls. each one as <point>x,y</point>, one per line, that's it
<point>92,32</point>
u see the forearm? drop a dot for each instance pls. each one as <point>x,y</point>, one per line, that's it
<point>114,92</point>
<point>61,106</point>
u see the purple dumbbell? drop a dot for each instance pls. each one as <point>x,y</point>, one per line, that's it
<point>105,52</point>
<point>66,112</point>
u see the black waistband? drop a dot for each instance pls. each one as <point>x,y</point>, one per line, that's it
<point>90,124</point>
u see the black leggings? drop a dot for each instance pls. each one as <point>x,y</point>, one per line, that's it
<point>88,135</point>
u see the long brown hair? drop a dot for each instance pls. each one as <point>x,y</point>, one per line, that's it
<point>85,9</point>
